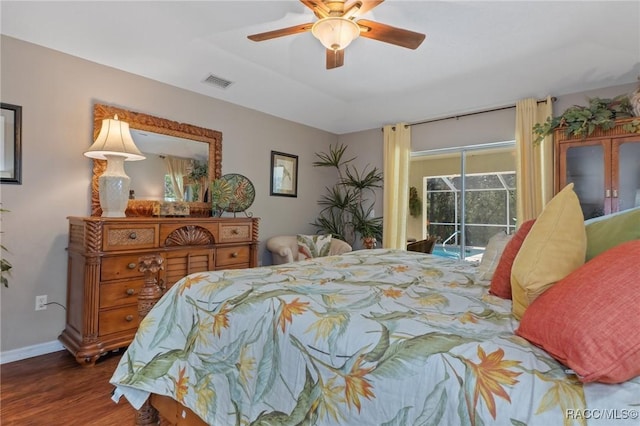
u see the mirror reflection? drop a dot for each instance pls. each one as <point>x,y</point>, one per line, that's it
<point>176,169</point>
<point>180,160</point>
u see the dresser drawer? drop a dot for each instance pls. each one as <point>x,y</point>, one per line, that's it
<point>127,237</point>
<point>229,256</point>
<point>120,267</point>
<point>230,233</point>
<point>120,293</point>
<point>115,320</point>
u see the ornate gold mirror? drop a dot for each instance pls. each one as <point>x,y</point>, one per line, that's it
<point>158,126</point>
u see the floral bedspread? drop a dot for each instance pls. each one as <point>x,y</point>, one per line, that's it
<point>372,337</point>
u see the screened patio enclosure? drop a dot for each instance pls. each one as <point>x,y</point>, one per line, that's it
<point>468,195</point>
<point>489,208</point>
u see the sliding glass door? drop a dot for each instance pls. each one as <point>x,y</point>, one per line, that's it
<point>469,196</point>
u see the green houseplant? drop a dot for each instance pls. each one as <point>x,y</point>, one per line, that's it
<point>198,177</point>
<point>348,205</point>
<point>415,202</point>
<point>583,120</point>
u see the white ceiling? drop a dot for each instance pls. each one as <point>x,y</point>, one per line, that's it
<point>477,54</point>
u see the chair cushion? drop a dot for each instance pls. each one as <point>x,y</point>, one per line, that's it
<point>501,280</point>
<point>491,256</point>
<point>313,246</point>
<point>589,320</point>
<point>605,232</point>
<point>554,248</point>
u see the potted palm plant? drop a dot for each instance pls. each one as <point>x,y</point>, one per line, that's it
<point>366,225</point>
<point>348,205</point>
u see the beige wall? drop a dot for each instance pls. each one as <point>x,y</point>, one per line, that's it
<point>57,93</point>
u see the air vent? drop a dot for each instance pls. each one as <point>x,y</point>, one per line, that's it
<point>218,81</point>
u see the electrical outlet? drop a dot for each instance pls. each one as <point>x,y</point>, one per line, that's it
<point>41,303</point>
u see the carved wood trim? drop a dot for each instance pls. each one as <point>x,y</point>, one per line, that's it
<point>147,415</point>
<point>150,293</point>
<point>93,236</point>
<point>255,228</point>
<point>190,235</point>
<point>561,136</point>
<point>150,123</point>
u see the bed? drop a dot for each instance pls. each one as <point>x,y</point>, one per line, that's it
<point>371,337</point>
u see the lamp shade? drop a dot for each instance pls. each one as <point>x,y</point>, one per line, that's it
<point>335,33</point>
<point>114,139</point>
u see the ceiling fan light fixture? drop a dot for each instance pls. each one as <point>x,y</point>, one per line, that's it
<point>335,33</point>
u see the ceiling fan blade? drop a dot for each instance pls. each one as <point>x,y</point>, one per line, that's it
<point>318,7</point>
<point>281,32</point>
<point>389,34</point>
<point>367,5</point>
<point>335,58</point>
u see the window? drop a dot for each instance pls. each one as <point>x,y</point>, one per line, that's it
<point>169,193</point>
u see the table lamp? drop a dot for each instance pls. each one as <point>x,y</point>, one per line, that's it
<point>114,144</point>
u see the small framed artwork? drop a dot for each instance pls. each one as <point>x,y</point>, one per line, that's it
<point>10,144</point>
<point>284,174</point>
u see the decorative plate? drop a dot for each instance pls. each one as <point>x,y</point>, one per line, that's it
<point>232,193</point>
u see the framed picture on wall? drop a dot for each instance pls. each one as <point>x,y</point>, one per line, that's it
<point>10,144</point>
<point>284,174</point>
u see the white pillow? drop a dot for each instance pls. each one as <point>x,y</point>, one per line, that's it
<point>310,246</point>
<point>491,256</point>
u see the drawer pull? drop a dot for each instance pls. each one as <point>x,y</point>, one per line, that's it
<point>235,231</point>
<point>129,318</point>
<point>234,254</point>
<point>130,291</point>
<point>132,265</point>
<point>133,236</point>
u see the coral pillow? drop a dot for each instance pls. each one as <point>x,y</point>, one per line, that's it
<point>501,280</point>
<point>313,246</point>
<point>554,248</point>
<point>589,321</point>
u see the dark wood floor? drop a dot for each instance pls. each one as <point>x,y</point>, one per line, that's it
<point>54,389</point>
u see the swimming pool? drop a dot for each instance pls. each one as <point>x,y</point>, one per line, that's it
<point>453,252</point>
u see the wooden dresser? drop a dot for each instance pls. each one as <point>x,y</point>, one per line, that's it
<point>103,279</point>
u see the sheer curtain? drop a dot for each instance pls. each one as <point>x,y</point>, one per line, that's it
<point>397,148</point>
<point>534,163</point>
<point>177,169</point>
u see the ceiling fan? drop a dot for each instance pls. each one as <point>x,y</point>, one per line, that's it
<point>337,26</point>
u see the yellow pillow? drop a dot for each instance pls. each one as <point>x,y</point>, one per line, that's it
<point>554,248</point>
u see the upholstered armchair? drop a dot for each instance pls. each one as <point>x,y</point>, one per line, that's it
<point>284,248</point>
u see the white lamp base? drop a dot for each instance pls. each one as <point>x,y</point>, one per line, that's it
<point>114,188</point>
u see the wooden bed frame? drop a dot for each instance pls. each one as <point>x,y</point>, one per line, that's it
<point>159,409</point>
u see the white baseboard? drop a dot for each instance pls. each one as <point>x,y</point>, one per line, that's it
<point>30,351</point>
